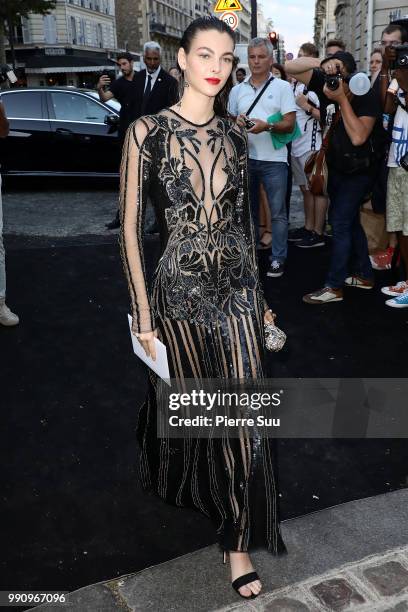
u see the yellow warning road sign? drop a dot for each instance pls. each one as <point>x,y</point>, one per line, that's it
<point>227,5</point>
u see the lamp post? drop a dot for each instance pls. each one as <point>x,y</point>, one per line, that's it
<point>254,19</point>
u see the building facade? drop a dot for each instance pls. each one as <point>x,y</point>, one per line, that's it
<point>325,23</point>
<point>164,21</point>
<point>361,29</point>
<point>69,46</point>
<point>359,23</point>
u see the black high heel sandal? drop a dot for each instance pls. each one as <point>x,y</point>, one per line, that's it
<point>242,580</point>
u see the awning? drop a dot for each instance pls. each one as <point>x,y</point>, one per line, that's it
<point>67,69</point>
<point>46,64</point>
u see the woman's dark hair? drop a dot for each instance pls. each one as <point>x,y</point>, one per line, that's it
<point>203,24</point>
<point>281,70</point>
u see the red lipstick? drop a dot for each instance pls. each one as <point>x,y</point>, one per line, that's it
<point>213,81</point>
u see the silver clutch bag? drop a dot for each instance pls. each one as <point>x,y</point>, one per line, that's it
<point>275,338</point>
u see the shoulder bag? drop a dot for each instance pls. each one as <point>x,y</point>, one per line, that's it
<point>316,165</point>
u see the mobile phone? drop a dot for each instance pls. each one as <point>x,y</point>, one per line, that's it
<point>249,124</point>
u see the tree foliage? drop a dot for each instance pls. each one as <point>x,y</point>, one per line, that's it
<point>14,9</point>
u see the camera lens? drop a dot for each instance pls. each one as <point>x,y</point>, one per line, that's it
<point>332,83</point>
<point>403,61</point>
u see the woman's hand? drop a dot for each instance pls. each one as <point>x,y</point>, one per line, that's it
<point>269,316</point>
<point>146,339</point>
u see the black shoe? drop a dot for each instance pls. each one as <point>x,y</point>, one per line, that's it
<point>311,241</point>
<point>242,580</point>
<point>277,269</point>
<point>115,224</point>
<point>298,234</point>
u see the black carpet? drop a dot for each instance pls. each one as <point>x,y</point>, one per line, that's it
<point>72,508</point>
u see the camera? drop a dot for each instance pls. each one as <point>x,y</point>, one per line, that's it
<point>401,61</point>
<point>7,74</point>
<point>404,162</point>
<point>333,80</point>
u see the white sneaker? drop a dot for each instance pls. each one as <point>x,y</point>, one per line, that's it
<point>7,317</point>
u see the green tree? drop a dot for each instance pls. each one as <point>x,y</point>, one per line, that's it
<point>12,10</point>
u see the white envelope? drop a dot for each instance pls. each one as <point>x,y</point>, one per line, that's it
<point>161,365</point>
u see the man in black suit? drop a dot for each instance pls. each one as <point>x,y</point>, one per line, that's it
<point>144,93</point>
<point>156,88</point>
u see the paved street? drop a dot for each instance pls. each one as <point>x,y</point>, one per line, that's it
<point>343,559</point>
<point>73,211</point>
<point>70,211</point>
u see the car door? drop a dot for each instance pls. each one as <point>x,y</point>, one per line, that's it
<point>26,150</point>
<point>83,143</point>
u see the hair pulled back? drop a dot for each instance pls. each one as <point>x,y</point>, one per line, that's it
<point>204,24</point>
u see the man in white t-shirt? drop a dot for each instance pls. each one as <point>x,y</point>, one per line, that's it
<point>397,187</point>
<point>267,165</point>
<point>308,120</point>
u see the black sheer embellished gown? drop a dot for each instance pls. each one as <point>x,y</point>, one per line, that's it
<point>207,305</point>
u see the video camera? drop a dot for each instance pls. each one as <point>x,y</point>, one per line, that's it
<point>7,74</point>
<point>401,61</point>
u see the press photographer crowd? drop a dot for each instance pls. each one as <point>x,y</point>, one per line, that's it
<point>319,123</point>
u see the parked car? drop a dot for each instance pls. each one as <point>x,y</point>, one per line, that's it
<point>113,103</point>
<point>57,131</point>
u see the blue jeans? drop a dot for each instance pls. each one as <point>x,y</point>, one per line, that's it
<point>349,245</point>
<point>273,176</point>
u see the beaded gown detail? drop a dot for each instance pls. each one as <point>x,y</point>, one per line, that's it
<point>207,305</point>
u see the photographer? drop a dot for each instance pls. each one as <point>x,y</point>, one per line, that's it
<point>350,160</point>
<point>397,189</point>
<point>7,317</point>
<point>392,36</point>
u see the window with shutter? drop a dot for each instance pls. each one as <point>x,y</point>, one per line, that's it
<point>50,29</point>
<point>73,30</point>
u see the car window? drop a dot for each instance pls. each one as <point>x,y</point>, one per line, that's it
<point>23,104</point>
<point>112,102</point>
<point>74,107</point>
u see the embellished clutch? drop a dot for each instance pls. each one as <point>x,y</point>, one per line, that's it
<point>275,338</point>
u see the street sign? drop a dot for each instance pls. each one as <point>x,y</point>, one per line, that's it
<point>230,19</point>
<point>227,5</point>
<point>289,56</point>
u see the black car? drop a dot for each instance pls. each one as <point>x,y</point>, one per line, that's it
<point>59,132</point>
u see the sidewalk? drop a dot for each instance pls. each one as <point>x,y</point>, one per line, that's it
<point>349,557</point>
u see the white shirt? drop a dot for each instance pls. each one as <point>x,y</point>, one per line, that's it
<point>399,144</point>
<point>311,139</point>
<point>154,76</point>
<point>277,98</point>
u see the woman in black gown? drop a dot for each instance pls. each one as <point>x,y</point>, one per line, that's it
<point>206,304</point>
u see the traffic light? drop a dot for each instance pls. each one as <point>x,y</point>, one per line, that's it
<point>273,37</point>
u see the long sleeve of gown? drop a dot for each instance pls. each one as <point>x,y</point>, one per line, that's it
<point>134,186</point>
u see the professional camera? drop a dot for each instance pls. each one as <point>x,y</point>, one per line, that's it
<point>401,61</point>
<point>7,74</point>
<point>333,80</point>
<point>358,82</point>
